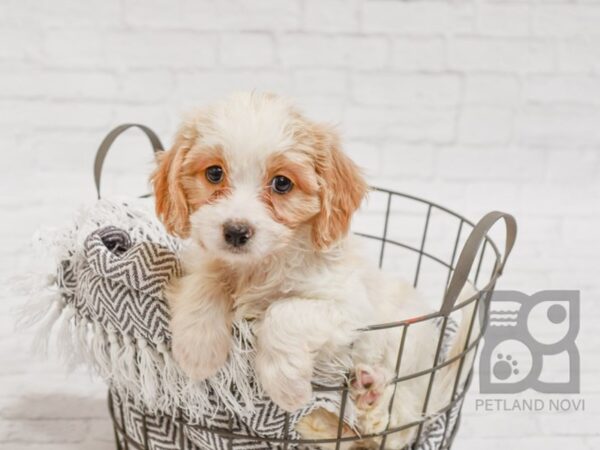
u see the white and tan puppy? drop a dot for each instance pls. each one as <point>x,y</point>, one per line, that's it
<point>267,196</point>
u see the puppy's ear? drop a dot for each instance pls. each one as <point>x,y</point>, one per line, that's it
<point>342,188</point>
<point>171,202</point>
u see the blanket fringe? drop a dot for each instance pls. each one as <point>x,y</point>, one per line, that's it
<point>147,365</point>
<point>40,343</point>
<point>132,366</point>
<point>125,365</point>
<point>169,374</point>
<point>141,369</point>
<point>99,351</point>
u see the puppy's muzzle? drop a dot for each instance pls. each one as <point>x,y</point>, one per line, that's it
<point>237,234</point>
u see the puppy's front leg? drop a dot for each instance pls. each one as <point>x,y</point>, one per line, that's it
<point>201,325</point>
<point>289,338</point>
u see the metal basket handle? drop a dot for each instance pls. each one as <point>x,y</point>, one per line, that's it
<point>469,253</point>
<point>110,139</point>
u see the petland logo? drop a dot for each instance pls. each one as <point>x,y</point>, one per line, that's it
<point>530,344</point>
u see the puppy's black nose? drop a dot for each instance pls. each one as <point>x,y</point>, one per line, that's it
<point>237,234</point>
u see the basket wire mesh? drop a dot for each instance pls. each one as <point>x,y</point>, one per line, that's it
<point>487,266</point>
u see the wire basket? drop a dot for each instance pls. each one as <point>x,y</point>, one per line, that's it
<point>439,249</point>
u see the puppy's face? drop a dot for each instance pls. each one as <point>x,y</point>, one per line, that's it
<point>251,176</point>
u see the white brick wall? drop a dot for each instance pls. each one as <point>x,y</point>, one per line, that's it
<point>477,105</point>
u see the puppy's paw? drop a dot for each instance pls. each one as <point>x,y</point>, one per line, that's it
<point>200,357</point>
<point>285,379</point>
<point>297,394</point>
<point>367,386</point>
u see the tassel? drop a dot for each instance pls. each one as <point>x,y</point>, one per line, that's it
<point>42,336</point>
<point>35,309</point>
<point>148,373</point>
<point>99,351</point>
<point>114,356</point>
<point>30,283</point>
<point>77,356</point>
<point>83,339</point>
<point>172,378</point>
<point>64,335</point>
<point>126,366</point>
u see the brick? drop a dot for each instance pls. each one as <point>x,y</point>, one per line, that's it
<point>46,115</point>
<point>21,84</point>
<point>566,20</point>
<point>406,90</point>
<point>58,150</point>
<point>573,166</point>
<point>579,54</point>
<point>506,55</point>
<point>12,14</point>
<point>161,49</point>
<point>331,15</point>
<point>584,424</point>
<point>409,124</point>
<point>489,89</point>
<point>208,16</point>
<point>299,50</point>
<point>144,86</point>
<point>365,52</point>
<point>418,54</point>
<point>562,89</point>
<point>74,48</point>
<point>80,86</point>
<point>417,18</point>
<point>197,88</point>
<point>503,19</point>
<point>366,155</point>
<point>558,127</point>
<point>489,163</point>
<point>485,125</point>
<point>66,13</point>
<point>311,51</point>
<point>321,108</point>
<point>155,116</point>
<point>57,85</point>
<point>247,50</point>
<point>544,198</point>
<point>160,14</point>
<point>407,161</point>
<point>577,232</point>
<point>17,44</point>
<point>326,82</point>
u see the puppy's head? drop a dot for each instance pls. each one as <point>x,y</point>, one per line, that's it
<point>251,176</point>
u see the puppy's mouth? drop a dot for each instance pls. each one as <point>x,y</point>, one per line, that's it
<point>230,249</point>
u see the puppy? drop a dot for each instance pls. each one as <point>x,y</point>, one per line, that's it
<point>266,196</point>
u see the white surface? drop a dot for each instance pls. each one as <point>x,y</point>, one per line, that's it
<point>476,105</point>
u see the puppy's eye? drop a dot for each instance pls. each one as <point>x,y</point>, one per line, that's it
<point>214,174</point>
<point>281,184</point>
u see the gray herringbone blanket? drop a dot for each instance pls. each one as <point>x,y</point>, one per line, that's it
<point>107,310</point>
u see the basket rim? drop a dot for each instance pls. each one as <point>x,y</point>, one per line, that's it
<point>457,396</point>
